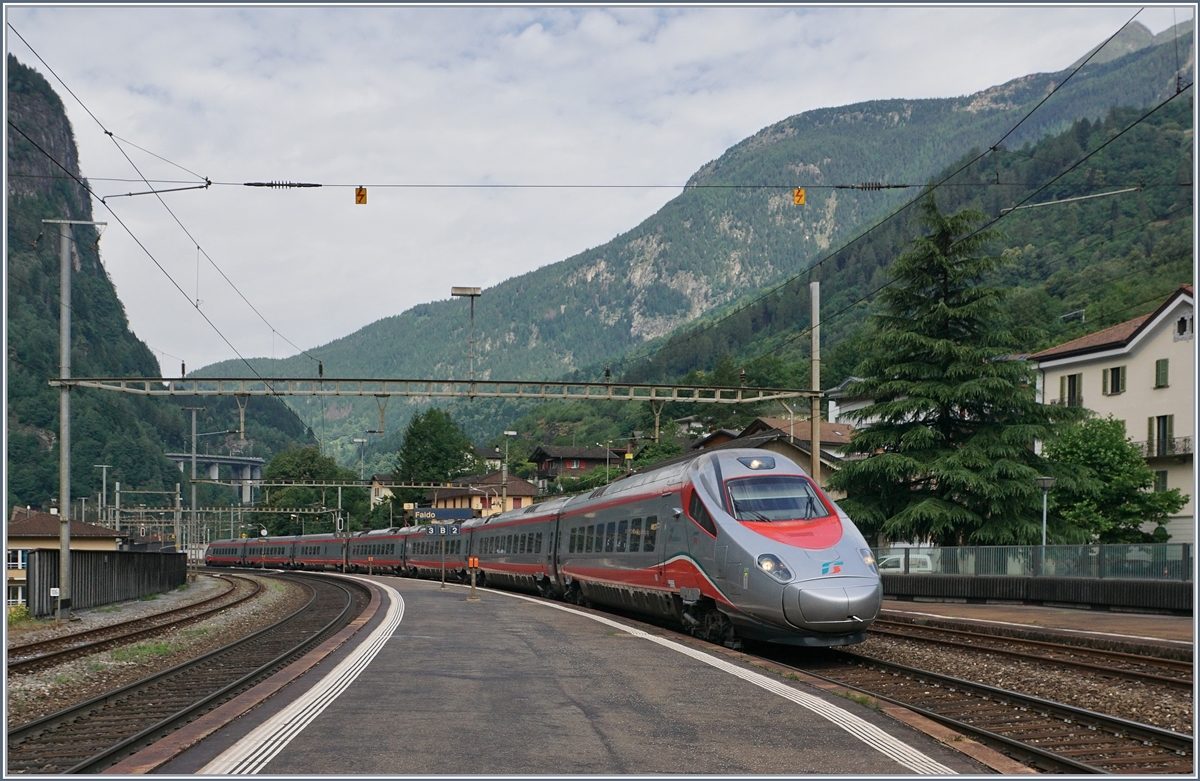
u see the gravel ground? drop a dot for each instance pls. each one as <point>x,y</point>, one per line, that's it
<point>37,694</point>
<point>1160,706</point>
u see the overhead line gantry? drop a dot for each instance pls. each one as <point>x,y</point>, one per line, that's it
<point>656,394</point>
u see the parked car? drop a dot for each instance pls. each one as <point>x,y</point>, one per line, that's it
<point>893,563</point>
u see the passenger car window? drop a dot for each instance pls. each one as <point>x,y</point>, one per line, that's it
<point>538,544</point>
<point>635,535</point>
<point>651,533</point>
<point>622,532</point>
<point>587,546</point>
<point>609,534</point>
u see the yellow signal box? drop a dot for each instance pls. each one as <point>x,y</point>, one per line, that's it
<point>360,195</point>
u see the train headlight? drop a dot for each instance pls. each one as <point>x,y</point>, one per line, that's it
<point>868,559</point>
<point>774,566</point>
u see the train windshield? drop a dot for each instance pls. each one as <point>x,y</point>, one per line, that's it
<point>775,498</point>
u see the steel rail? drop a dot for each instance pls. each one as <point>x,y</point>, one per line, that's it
<point>989,646</point>
<point>1137,736</point>
<point>437,389</point>
<point>41,654</point>
<point>44,731</point>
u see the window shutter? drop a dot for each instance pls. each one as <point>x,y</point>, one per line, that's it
<point>1170,429</point>
<point>1062,389</point>
<point>1122,380</point>
<point>1150,431</point>
<point>1160,373</point>
<point>1104,380</point>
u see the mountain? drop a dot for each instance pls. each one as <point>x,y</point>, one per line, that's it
<point>130,433</point>
<point>719,241</point>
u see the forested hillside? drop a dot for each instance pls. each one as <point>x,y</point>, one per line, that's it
<point>129,433</point>
<point>729,234</point>
<point>1110,258</point>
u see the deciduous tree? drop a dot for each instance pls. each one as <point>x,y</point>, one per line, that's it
<point>1115,505</point>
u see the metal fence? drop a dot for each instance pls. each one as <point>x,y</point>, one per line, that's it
<point>1157,561</point>
<point>102,577</point>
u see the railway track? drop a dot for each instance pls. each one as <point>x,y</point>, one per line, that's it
<point>1049,736</point>
<point>97,733</point>
<point>35,656</point>
<point>1114,664</point>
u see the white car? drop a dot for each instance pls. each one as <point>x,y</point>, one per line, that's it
<point>893,563</point>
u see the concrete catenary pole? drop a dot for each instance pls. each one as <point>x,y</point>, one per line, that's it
<point>64,412</point>
<point>815,295</point>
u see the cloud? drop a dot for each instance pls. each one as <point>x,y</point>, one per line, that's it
<point>542,95</point>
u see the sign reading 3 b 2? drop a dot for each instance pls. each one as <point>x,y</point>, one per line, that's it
<point>441,528</point>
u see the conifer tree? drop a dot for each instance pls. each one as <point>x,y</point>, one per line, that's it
<point>949,440</point>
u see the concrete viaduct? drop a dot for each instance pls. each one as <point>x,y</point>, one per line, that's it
<point>248,469</point>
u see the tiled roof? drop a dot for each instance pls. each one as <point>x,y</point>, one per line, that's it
<point>25,523</point>
<point>568,451</point>
<point>832,434</point>
<point>1113,337</point>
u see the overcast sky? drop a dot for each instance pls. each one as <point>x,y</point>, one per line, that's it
<point>391,95</point>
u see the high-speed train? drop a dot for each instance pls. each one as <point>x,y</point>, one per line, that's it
<point>735,543</point>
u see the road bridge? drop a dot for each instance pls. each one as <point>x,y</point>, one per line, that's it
<point>245,470</point>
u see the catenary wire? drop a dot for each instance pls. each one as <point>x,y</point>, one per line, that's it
<point>117,143</point>
<point>809,271</point>
<point>987,225</point>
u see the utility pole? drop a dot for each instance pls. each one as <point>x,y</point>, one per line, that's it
<point>104,488</point>
<point>192,512</point>
<point>64,412</point>
<point>814,288</point>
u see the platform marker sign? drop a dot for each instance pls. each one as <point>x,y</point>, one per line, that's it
<point>441,529</point>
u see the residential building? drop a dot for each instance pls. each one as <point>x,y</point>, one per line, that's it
<point>834,436</point>
<point>32,530</point>
<point>559,461</point>
<point>491,457</point>
<point>1141,372</point>
<point>483,493</point>
<point>381,487</point>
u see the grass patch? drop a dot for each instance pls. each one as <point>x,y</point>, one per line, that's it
<point>95,667</point>
<point>143,652</point>
<point>187,634</point>
<point>18,616</point>
<point>277,586</point>
<point>184,586</point>
<point>147,597</point>
<point>109,609</point>
<point>862,699</point>
<point>64,679</point>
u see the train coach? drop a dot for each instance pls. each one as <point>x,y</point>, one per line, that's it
<point>732,544</point>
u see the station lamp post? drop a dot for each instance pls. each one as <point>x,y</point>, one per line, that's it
<point>504,473</point>
<point>362,448</point>
<point>1044,483</point>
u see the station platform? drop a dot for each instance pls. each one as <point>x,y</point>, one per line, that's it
<point>1165,635</point>
<point>508,685</point>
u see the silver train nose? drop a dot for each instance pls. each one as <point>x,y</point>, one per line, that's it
<point>832,604</point>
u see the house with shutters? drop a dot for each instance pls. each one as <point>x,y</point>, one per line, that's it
<point>1141,372</point>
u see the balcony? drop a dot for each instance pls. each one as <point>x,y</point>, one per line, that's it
<point>1162,448</point>
<point>1070,401</point>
